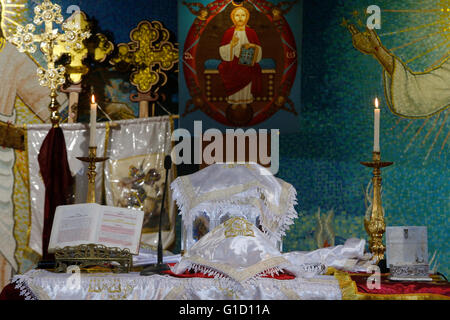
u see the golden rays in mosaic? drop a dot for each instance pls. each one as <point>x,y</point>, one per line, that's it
<point>428,133</point>
<point>13,15</point>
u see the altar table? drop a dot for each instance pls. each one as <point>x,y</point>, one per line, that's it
<point>45,285</point>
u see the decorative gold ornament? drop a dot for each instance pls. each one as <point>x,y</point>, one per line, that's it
<point>376,227</point>
<point>78,26</point>
<point>149,56</point>
<point>238,226</point>
<point>103,48</point>
<point>150,47</point>
<point>52,77</point>
<point>77,29</point>
<point>90,255</point>
<point>98,47</point>
<point>50,41</point>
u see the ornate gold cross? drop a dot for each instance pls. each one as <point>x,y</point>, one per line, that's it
<point>99,47</point>
<point>51,41</point>
<point>149,55</point>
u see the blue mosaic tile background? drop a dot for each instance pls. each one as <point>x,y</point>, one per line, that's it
<point>336,132</point>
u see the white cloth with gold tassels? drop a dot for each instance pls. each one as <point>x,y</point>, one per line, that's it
<point>248,190</point>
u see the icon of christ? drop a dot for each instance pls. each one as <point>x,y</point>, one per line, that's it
<point>240,71</point>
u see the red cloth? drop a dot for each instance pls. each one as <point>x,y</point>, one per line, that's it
<point>235,76</point>
<point>57,179</point>
<point>394,287</point>
<point>11,293</point>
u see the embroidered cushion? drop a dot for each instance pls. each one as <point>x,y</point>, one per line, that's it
<point>236,250</point>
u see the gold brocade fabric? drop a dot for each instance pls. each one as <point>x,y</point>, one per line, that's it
<point>26,258</point>
<point>350,290</point>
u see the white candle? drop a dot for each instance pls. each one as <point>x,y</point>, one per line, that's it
<point>376,138</point>
<point>93,124</point>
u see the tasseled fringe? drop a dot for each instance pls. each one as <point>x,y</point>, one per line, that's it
<point>225,280</point>
<point>25,291</point>
<point>180,197</point>
<point>275,271</point>
<point>230,282</point>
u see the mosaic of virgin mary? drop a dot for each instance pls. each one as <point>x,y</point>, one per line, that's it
<point>240,61</point>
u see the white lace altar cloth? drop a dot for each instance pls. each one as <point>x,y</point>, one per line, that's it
<point>45,285</point>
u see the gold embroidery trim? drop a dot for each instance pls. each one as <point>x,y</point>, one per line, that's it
<point>238,226</point>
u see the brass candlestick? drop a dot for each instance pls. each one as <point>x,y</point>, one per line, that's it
<point>376,226</point>
<point>92,160</point>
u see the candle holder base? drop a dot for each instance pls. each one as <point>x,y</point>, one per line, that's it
<point>375,226</point>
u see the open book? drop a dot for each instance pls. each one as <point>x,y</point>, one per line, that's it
<point>91,223</point>
<point>248,55</point>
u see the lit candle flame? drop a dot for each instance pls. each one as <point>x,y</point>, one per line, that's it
<point>93,99</point>
<point>377,103</point>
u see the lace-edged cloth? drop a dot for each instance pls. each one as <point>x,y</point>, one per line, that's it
<point>235,252</point>
<point>24,289</point>
<point>223,187</point>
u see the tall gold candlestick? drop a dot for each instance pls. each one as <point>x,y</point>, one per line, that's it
<point>375,226</point>
<point>92,160</point>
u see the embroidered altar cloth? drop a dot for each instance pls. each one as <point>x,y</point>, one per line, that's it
<point>45,285</point>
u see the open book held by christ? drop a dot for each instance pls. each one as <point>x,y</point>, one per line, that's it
<point>91,223</point>
<point>248,54</point>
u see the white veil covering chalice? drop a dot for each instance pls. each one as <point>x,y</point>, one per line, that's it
<point>248,190</point>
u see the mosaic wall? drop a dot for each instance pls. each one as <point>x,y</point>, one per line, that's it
<point>336,128</point>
